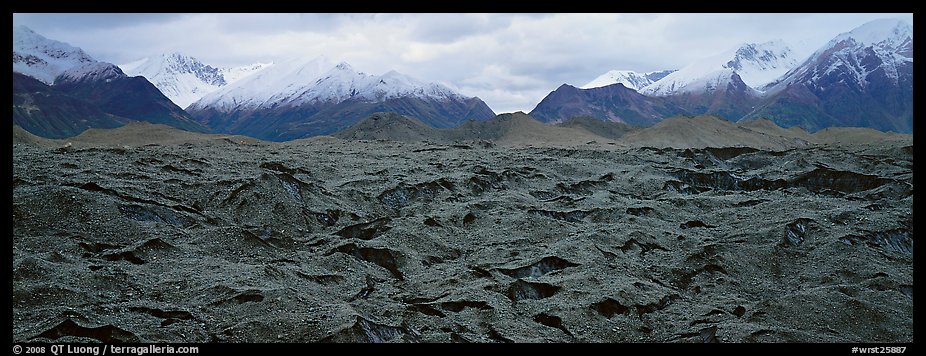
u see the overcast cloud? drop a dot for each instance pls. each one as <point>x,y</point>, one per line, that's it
<point>509,60</point>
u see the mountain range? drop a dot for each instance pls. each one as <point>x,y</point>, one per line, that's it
<point>861,78</point>
<point>184,79</point>
<point>60,91</point>
<point>755,64</point>
<point>300,98</point>
<point>629,78</point>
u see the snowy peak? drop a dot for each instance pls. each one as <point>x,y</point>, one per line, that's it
<point>299,98</point>
<point>760,64</point>
<point>710,82</point>
<point>296,82</point>
<point>888,37</point>
<point>273,83</point>
<point>42,58</point>
<point>336,85</point>
<point>880,49</point>
<point>185,79</point>
<point>396,85</point>
<point>174,64</point>
<point>93,72</point>
<point>342,83</point>
<point>50,61</point>
<point>765,56</point>
<point>861,78</point>
<point>375,88</point>
<point>72,92</point>
<point>890,34</point>
<point>755,64</point>
<point>344,66</point>
<point>628,78</point>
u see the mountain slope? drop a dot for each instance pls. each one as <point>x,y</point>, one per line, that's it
<point>266,87</point>
<point>297,99</point>
<point>726,84</point>
<point>42,58</point>
<point>613,103</point>
<point>722,85</point>
<point>44,111</point>
<point>862,78</point>
<point>184,79</point>
<point>135,98</point>
<point>628,78</point>
<point>731,100</point>
<point>755,64</point>
<point>84,93</point>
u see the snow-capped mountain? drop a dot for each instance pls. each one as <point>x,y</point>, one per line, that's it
<point>880,47</point>
<point>755,64</point>
<point>42,58</point>
<point>50,61</point>
<point>91,72</point>
<point>60,91</point>
<point>297,82</point>
<point>630,79</point>
<point>184,79</point>
<point>299,98</point>
<point>860,78</point>
<point>342,83</point>
<point>279,81</point>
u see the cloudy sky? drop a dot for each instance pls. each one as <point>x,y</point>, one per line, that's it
<point>509,60</point>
